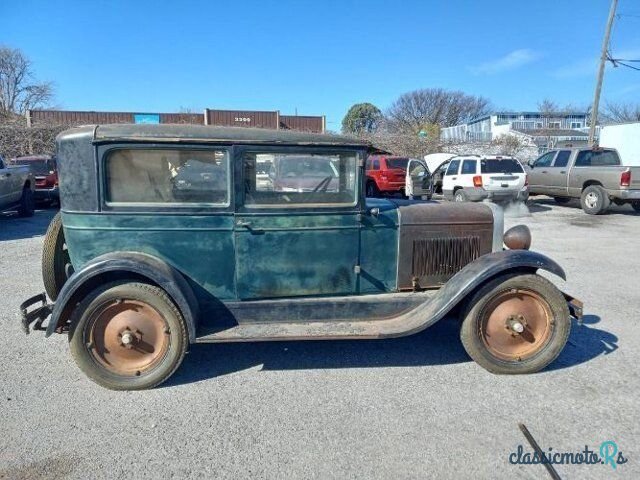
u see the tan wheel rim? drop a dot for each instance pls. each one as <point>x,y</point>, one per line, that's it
<point>127,337</point>
<point>516,324</point>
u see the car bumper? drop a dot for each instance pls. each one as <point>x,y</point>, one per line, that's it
<point>627,194</point>
<point>46,194</point>
<point>477,194</point>
<point>390,186</point>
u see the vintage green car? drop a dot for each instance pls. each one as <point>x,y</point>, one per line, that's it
<point>171,235</point>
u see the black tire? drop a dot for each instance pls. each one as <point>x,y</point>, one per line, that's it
<point>27,203</point>
<point>545,347</point>
<point>636,205</point>
<point>459,196</point>
<point>594,200</point>
<point>372,190</point>
<point>92,316</point>
<point>55,258</point>
<point>562,200</point>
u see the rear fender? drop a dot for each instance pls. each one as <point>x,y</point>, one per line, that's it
<point>125,265</point>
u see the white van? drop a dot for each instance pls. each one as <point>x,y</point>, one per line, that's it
<point>493,177</point>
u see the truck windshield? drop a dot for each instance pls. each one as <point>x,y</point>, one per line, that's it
<point>507,165</point>
<point>397,163</point>
<point>593,158</point>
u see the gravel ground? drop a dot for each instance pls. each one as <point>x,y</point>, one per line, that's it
<point>414,407</point>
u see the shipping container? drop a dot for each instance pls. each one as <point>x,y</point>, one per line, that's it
<point>303,123</point>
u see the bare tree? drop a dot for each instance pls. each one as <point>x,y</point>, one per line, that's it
<point>548,108</point>
<point>620,112</point>
<point>19,91</point>
<point>413,111</point>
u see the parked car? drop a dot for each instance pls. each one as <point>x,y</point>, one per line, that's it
<point>45,173</point>
<point>16,189</point>
<point>386,175</point>
<point>594,175</point>
<point>137,274</point>
<point>487,177</point>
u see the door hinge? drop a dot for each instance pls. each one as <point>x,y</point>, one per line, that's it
<point>356,269</point>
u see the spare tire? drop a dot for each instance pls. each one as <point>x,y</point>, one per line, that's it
<point>55,258</point>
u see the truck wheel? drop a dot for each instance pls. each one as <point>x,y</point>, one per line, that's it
<point>128,336</point>
<point>27,204</point>
<point>372,190</point>
<point>594,200</point>
<point>516,324</point>
<point>55,258</point>
<point>636,205</point>
<point>562,200</point>
<point>459,196</point>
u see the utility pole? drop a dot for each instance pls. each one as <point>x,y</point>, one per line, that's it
<point>603,61</point>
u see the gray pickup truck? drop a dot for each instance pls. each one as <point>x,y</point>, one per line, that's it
<point>594,175</point>
<point>16,189</point>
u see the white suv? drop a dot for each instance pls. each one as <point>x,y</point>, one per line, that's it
<point>492,177</point>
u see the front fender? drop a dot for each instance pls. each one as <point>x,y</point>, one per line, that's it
<point>462,284</point>
<point>102,268</point>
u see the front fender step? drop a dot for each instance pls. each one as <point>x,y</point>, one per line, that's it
<point>37,315</point>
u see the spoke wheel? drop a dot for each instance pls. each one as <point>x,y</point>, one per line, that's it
<point>127,337</point>
<point>516,324</point>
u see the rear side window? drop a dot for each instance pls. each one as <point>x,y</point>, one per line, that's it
<point>397,163</point>
<point>469,166</point>
<point>597,158</point>
<point>452,169</point>
<point>507,165</point>
<point>167,176</point>
<point>376,164</point>
<point>562,159</point>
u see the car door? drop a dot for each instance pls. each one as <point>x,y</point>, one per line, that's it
<point>10,187</point>
<point>418,179</point>
<point>557,174</point>
<point>450,178</point>
<point>539,173</point>
<point>301,238</point>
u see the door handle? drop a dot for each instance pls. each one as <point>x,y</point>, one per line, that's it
<point>8,174</point>
<point>240,223</point>
<point>454,178</point>
<point>544,171</point>
<point>563,171</point>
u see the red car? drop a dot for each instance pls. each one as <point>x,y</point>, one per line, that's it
<point>386,174</point>
<point>45,172</point>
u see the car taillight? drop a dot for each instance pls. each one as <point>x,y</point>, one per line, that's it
<point>526,180</point>
<point>477,181</point>
<point>625,179</point>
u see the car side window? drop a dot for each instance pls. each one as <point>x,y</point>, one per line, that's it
<point>562,159</point>
<point>1,164</point>
<point>301,179</point>
<point>376,164</point>
<point>545,160</point>
<point>167,176</point>
<point>469,167</point>
<point>452,169</point>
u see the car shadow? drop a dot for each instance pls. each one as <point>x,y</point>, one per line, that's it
<point>438,345</point>
<point>14,227</point>
<point>585,343</point>
<point>545,203</point>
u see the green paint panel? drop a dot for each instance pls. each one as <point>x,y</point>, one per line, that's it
<point>379,248</point>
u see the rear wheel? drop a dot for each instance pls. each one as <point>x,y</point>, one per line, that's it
<point>459,196</point>
<point>562,200</point>
<point>128,336</point>
<point>594,200</point>
<point>55,258</point>
<point>516,324</point>
<point>372,190</point>
<point>27,203</point>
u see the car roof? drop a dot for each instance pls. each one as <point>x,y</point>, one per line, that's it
<point>209,134</point>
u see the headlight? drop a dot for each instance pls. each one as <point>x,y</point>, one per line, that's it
<point>518,238</point>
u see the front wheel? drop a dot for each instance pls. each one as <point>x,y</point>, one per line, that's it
<point>636,205</point>
<point>372,190</point>
<point>128,336</point>
<point>460,196</point>
<point>516,324</point>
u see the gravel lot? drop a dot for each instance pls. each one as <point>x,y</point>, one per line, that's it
<point>414,407</point>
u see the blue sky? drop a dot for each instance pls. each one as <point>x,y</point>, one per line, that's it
<point>318,57</point>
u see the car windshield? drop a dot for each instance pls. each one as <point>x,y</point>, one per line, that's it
<point>592,158</point>
<point>39,167</point>
<point>307,167</point>
<point>506,165</point>
<point>397,163</point>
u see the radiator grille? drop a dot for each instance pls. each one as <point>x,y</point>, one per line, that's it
<point>443,256</point>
